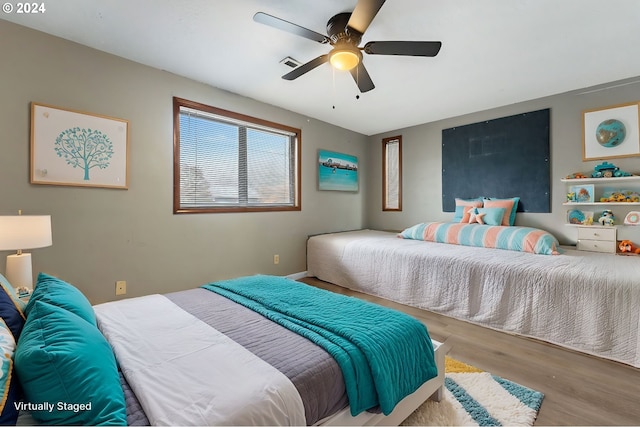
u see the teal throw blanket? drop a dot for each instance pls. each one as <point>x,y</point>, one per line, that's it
<point>384,354</point>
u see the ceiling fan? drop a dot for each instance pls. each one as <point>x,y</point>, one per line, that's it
<point>345,31</point>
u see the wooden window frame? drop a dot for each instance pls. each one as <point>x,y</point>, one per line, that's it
<point>385,165</point>
<point>296,159</point>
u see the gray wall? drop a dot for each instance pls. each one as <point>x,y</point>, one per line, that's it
<point>422,168</point>
<point>104,235</point>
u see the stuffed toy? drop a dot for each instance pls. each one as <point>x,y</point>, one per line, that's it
<point>475,216</point>
<point>606,218</point>
<point>628,246</point>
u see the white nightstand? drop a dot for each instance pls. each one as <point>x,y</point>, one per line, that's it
<point>597,239</point>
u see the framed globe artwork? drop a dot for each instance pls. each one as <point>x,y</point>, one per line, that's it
<point>611,132</point>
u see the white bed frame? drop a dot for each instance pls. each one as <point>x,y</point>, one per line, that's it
<point>432,389</point>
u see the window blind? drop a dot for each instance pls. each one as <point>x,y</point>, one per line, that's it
<point>226,162</point>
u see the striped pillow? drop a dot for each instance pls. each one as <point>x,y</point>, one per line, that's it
<point>514,238</point>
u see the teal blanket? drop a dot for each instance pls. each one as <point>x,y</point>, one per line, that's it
<point>384,354</point>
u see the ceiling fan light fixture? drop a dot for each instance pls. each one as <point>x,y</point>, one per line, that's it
<point>345,58</point>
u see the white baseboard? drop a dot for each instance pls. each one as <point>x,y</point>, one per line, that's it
<point>297,276</point>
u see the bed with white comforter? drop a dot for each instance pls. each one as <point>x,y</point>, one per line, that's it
<point>257,350</point>
<point>198,358</point>
<point>581,300</point>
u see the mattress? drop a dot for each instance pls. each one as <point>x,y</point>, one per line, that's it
<point>580,300</point>
<point>314,373</point>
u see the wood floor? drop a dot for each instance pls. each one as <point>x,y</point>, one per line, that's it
<point>579,389</point>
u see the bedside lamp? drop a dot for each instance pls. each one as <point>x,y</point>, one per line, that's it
<point>18,232</point>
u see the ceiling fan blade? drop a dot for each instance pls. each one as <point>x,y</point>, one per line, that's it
<point>403,48</point>
<point>289,27</point>
<point>362,78</point>
<point>305,68</point>
<point>363,14</point>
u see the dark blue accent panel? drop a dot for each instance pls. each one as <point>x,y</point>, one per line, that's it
<point>500,158</point>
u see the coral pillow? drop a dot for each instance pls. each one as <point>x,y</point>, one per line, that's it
<point>510,206</point>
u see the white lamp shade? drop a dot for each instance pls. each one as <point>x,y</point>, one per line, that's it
<point>25,232</point>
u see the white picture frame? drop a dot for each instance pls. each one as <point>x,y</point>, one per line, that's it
<point>628,114</point>
<point>75,148</point>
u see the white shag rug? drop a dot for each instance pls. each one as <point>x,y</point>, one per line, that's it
<point>479,398</point>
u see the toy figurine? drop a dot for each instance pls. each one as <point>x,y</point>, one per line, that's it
<point>576,175</point>
<point>628,246</point>
<point>608,170</point>
<point>606,218</point>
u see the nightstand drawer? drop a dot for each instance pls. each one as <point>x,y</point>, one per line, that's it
<point>597,245</point>
<point>596,233</point>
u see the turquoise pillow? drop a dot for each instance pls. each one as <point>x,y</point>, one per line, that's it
<point>510,205</point>
<point>492,216</point>
<point>459,213</point>
<point>63,358</point>
<point>57,292</point>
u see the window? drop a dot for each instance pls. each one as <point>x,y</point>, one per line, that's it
<point>392,174</point>
<point>229,162</point>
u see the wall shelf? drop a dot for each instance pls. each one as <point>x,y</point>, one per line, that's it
<point>601,203</point>
<point>595,225</point>
<point>631,183</point>
<point>618,179</point>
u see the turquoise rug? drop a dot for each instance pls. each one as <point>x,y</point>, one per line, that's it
<point>476,398</point>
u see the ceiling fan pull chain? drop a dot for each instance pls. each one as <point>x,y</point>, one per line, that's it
<point>333,86</point>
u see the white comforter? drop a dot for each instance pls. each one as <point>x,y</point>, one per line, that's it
<point>581,300</point>
<point>184,372</point>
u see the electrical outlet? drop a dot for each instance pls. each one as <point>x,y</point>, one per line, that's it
<point>121,287</point>
<point>276,259</point>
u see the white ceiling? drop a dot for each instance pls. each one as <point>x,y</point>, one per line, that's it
<point>494,52</point>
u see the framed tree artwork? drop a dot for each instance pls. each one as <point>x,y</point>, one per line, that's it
<point>78,149</point>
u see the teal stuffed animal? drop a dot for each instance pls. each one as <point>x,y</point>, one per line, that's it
<point>606,218</point>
